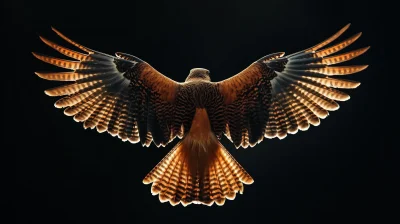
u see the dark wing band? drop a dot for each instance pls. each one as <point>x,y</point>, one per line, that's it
<point>122,95</point>
<point>277,95</point>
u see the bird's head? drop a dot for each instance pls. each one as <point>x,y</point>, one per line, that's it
<point>198,74</point>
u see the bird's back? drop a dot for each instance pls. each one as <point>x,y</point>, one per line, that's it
<point>201,94</point>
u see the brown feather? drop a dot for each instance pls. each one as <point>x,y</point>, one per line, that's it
<point>65,51</point>
<point>272,97</point>
<point>209,173</point>
<point>336,59</point>
<point>102,89</point>
<point>337,47</point>
<point>329,40</point>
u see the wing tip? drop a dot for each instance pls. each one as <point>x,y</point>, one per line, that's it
<point>40,56</point>
<point>58,105</point>
<point>68,113</point>
<point>42,75</point>
<point>54,29</point>
<point>39,74</point>
<point>37,55</point>
<point>365,49</point>
<point>43,39</point>
<point>345,98</point>
<point>48,42</point>
<point>355,37</point>
<point>334,108</point>
<point>363,67</point>
<point>48,93</point>
<point>51,92</point>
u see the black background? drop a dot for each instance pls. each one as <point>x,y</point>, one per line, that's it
<point>335,172</point>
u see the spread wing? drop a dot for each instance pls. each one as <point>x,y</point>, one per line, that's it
<point>277,95</point>
<point>122,95</point>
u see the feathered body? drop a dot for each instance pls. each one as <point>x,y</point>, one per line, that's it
<point>199,169</point>
<point>274,96</point>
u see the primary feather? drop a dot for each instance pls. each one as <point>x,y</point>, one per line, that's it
<point>285,94</point>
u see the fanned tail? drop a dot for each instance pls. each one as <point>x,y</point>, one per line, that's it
<point>199,173</point>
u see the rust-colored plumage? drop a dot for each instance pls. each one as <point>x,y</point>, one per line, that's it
<point>198,169</point>
<point>275,96</point>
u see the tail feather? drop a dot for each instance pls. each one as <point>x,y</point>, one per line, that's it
<point>181,187</point>
<point>216,190</point>
<point>205,193</point>
<point>174,181</point>
<point>230,179</point>
<point>168,184</point>
<point>236,168</point>
<point>189,194</point>
<point>225,186</point>
<point>199,174</point>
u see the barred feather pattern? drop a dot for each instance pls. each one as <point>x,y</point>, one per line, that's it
<point>279,95</point>
<point>122,95</point>
<point>195,173</point>
<point>275,96</point>
<point>247,116</point>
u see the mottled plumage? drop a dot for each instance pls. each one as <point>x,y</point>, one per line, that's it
<point>128,98</point>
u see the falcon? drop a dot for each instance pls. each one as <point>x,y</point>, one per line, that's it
<point>275,96</point>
